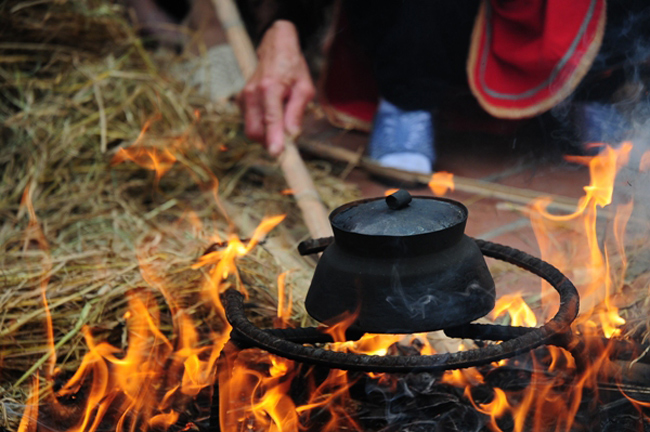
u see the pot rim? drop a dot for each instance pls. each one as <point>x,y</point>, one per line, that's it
<point>398,245</point>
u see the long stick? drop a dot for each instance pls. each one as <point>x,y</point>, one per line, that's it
<point>463,184</point>
<point>295,172</point>
<point>293,167</point>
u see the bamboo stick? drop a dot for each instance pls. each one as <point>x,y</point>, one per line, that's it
<point>293,167</point>
<point>463,184</point>
<point>295,172</point>
<point>237,36</point>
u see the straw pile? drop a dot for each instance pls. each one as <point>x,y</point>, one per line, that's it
<point>76,86</point>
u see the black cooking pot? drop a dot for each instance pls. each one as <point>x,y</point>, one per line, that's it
<point>401,265</point>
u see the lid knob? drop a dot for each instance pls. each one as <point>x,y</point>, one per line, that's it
<point>399,199</point>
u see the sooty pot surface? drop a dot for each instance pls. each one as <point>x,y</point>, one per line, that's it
<point>401,265</point>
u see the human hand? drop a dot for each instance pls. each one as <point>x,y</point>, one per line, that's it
<point>275,97</point>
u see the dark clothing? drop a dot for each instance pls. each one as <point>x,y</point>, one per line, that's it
<point>418,47</point>
<point>624,53</point>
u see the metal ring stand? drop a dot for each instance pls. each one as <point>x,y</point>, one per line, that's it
<point>516,340</point>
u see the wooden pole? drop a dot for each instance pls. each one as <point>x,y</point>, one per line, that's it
<point>237,36</point>
<point>295,172</point>
<point>293,167</point>
<point>463,184</point>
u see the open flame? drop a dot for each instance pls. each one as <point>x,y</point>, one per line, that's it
<point>547,402</point>
<point>224,261</point>
<point>586,263</point>
<point>441,182</point>
<point>520,313</point>
<point>148,383</point>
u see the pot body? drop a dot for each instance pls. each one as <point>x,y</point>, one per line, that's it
<point>402,293</point>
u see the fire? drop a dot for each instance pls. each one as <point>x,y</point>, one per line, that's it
<point>147,384</point>
<point>149,157</point>
<point>520,313</point>
<point>462,378</point>
<point>441,182</point>
<point>224,260</point>
<point>589,264</point>
<point>547,403</point>
<point>129,381</point>
<point>390,191</point>
<point>28,421</point>
<point>158,157</point>
<point>162,366</point>
<point>332,394</point>
<point>34,232</point>
<point>285,303</point>
<point>494,409</point>
<point>370,344</point>
<point>259,396</point>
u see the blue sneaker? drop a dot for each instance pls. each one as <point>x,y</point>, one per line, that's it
<point>402,139</point>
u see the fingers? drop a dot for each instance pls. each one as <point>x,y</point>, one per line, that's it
<point>273,95</point>
<point>301,94</point>
<point>253,113</point>
<point>277,93</point>
<point>267,116</point>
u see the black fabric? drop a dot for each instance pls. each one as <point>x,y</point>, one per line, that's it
<point>176,9</point>
<point>419,47</point>
<point>308,16</point>
<point>624,54</point>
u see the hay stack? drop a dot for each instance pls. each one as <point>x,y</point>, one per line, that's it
<point>77,84</point>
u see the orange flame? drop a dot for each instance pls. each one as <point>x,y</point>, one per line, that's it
<point>159,158</point>
<point>587,263</point>
<point>151,158</point>
<point>441,182</point>
<point>34,232</point>
<point>494,409</point>
<point>253,397</point>
<point>28,421</point>
<point>548,400</point>
<point>146,384</point>
<point>390,191</point>
<point>225,260</point>
<point>285,303</point>
<point>520,313</point>
<point>467,377</point>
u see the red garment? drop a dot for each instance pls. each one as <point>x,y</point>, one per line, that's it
<point>526,56</point>
<point>529,57</point>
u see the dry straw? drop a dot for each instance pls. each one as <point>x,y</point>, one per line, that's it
<point>76,84</point>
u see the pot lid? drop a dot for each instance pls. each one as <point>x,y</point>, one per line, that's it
<point>399,215</point>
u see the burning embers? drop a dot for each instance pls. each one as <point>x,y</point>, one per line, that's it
<point>582,376</point>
